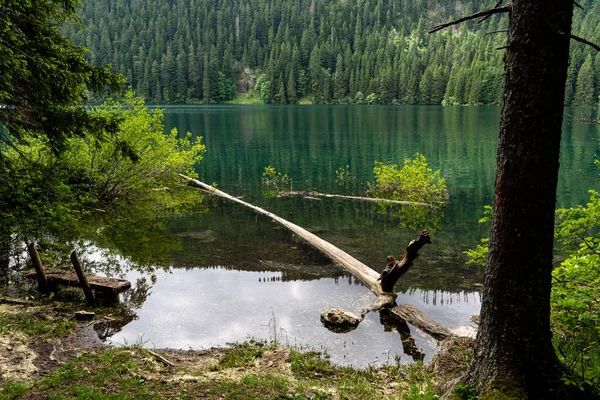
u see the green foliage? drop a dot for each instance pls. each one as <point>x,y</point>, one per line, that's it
<point>310,364</point>
<point>421,393</point>
<point>575,290</point>
<point>34,327</point>
<point>478,255</point>
<point>344,177</point>
<point>263,88</point>
<point>241,354</point>
<point>45,77</point>
<point>256,387</point>
<point>274,183</point>
<point>226,88</point>
<point>575,309</point>
<point>131,172</point>
<point>330,52</point>
<point>465,392</point>
<point>414,182</point>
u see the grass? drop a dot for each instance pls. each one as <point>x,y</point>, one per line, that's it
<point>35,326</point>
<point>126,373</point>
<point>245,98</point>
<point>240,355</point>
<point>13,390</point>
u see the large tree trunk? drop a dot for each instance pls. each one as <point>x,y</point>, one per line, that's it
<point>514,349</point>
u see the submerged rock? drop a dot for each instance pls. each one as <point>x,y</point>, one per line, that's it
<point>338,320</point>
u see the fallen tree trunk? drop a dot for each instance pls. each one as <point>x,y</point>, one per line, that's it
<point>413,316</point>
<point>380,284</point>
<point>365,274</point>
<point>360,198</point>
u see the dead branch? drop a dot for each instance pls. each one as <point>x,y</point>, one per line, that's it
<point>498,31</point>
<point>498,4</point>
<point>313,194</point>
<point>413,316</point>
<point>395,269</point>
<point>160,358</point>
<point>584,41</point>
<point>479,14</point>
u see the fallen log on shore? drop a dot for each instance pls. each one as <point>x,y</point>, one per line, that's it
<point>380,284</point>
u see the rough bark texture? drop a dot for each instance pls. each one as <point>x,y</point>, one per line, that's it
<point>514,340</point>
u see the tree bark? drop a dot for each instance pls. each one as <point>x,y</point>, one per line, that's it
<point>514,348</point>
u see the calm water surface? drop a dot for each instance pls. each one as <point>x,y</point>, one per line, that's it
<point>238,275</point>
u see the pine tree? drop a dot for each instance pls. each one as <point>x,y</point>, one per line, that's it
<point>585,89</point>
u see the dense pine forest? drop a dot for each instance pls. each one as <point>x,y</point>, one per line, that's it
<point>319,51</point>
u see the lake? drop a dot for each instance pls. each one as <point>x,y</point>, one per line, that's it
<point>237,275</point>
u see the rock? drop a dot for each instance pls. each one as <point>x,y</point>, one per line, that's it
<point>84,315</point>
<point>338,320</point>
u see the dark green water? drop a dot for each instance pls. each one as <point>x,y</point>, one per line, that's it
<point>238,274</point>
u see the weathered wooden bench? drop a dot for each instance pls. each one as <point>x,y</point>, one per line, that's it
<point>106,289</point>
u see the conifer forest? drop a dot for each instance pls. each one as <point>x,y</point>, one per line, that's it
<point>317,51</point>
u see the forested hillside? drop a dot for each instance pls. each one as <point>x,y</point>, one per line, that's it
<point>347,51</point>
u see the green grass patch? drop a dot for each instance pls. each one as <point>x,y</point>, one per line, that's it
<point>13,390</point>
<point>245,98</point>
<point>241,354</point>
<point>310,365</point>
<point>133,373</point>
<point>264,386</point>
<point>35,327</point>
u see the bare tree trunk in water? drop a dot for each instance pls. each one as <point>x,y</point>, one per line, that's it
<point>514,353</point>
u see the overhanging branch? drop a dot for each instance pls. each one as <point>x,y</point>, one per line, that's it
<point>479,14</point>
<point>498,4</point>
<point>584,41</point>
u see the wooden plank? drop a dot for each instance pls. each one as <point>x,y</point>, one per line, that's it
<point>42,279</point>
<point>89,296</point>
<point>100,283</point>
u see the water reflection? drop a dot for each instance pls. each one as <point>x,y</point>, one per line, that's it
<point>201,308</point>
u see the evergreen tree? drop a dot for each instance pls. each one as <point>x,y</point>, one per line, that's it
<point>585,89</point>
<point>371,46</point>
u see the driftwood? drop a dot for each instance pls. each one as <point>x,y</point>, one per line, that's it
<point>365,274</point>
<point>160,358</point>
<point>395,269</point>
<point>381,285</point>
<point>313,194</point>
<point>413,316</point>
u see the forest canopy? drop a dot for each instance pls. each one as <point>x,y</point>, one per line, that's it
<point>353,51</point>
